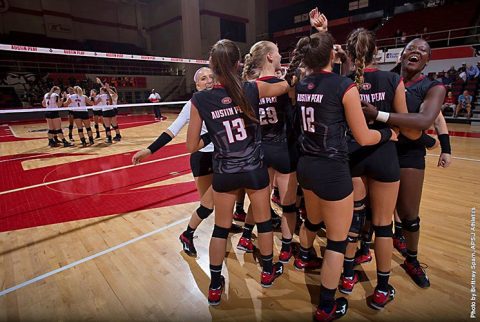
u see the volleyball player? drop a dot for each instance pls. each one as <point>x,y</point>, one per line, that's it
<point>114,97</point>
<point>229,115</point>
<point>200,162</point>
<point>51,101</point>
<point>328,102</point>
<point>280,156</point>
<point>80,114</point>
<point>70,91</point>
<point>424,100</point>
<point>97,112</point>
<point>105,101</point>
<point>375,168</point>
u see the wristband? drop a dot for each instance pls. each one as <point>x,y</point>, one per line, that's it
<point>382,117</point>
<point>426,140</point>
<point>445,143</point>
<point>206,139</point>
<point>160,142</point>
<point>385,135</point>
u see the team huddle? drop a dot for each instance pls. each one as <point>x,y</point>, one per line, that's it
<point>349,135</point>
<point>103,107</point>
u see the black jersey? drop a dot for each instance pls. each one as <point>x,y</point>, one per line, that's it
<point>416,91</point>
<point>236,138</point>
<point>323,123</point>
<point>274,114</point>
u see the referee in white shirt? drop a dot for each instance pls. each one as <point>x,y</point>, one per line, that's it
<point>155,98</point>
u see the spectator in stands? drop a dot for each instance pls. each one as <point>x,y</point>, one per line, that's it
<point>463,75</point>
<point>155,98</point>
<point>462,68</point>
<point>464,103</point>
<point>403,39</point>
<point>449,103</point>
<point>473,71</point>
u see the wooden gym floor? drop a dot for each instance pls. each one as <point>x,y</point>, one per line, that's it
<point>86,236</point>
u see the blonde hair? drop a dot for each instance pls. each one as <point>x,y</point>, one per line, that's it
<point>255,59</point>
<point>197,73</point>
<point>53,89</point>
<point>78,90</point>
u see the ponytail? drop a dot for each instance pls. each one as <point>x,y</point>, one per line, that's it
<point>361,48</point>
<point>303,46</point>
<point>255,59</point>
<point>78,90</point>
<point>247,67</point>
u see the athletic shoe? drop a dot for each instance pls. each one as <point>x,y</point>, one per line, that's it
<point>97,136</point>
<point>57,141</point>
<point>266,279</point>
<point>187,244</point>
<point>312,263</point>
<point>246,245</point>
<point>52,144</point>
<point>71,138</point>
<point>347,284</point>
<point>67,144</point>
<point>285,255</point>
<point>339,309</point>
<point>117,138</point>
<point>91,141</point>
<point>163,118</point>
<point>108,141</point>
<point>416,272</point>
<point>239,215</point>
<point>84,144</point>
<point>215,295</point>
<point>400,244</point>
<point>361,258</point>
<point>380,298</point>
<point>276,200</point>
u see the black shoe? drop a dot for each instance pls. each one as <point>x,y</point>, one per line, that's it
<point>417,273</point>
<point>52,144</point>
<point>117,138</point>
<point>91,141</point>
<point>339,309</point>
<point>57,141</point>
<point>97,136</point>
<point>108,140</point>
<point>187,244</point>
<point>67,144</point>
<point>70,137</point>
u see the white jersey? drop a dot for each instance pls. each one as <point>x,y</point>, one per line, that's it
<point>103,100</point>
<point>182,119</point>
<point>53,101</point>
<point>79,102</point>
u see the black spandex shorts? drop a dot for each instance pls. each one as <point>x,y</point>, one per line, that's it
<point>329,179</point>
<point>254,180</point>
<point>280,157</point>
<point>201,163</point>
<point>411,156</point>
<point>97,112</point>
<point>71,113</point>
<point>108,113</point>
<point>52,115</point>
<point>379,162</point>
<point>83,115</point>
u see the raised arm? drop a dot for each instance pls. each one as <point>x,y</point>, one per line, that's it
<point>362,134</point>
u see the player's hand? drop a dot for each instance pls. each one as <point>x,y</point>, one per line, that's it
<point>395,132</point>
<point>140,155</point>
<point>318,20</point>
<point>340,55</point>
<point>444,160</point>
<point>98,80</point>
<point>369,111</point>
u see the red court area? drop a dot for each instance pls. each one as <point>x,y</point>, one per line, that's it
<point>89,188</point>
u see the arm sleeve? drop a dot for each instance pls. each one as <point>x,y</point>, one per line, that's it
<point>181,119</point>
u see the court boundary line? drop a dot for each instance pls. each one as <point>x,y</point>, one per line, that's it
<point>458,158</point>
<point>89,174</point>
<point>89,258</point>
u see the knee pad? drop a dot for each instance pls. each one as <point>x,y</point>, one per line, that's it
<point>80,130</point>
<point>358,220</point>
<point>411,225</point>
<point>360,203</point>
<point>203,212</point>
<point>384,231</point>
<point>70,127</point>
<point>289,208</point>
<point>312,227</point>
<point>351,239</point>
<point>115,127</point>
<point>220,232</point>
<point>368,213</point>
<point>337,246</point>
<point>89,129</point>
<point>59,131</point>
<point>265,227</point>
<point>51,132</point>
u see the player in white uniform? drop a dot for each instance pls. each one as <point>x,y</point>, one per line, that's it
<point>70,91</point>
<point>97,112</point>
<point>104,99</point>
<point>200,162</point>
<point>114,99</point>
<point>80,113</point>
<point>51,101</point>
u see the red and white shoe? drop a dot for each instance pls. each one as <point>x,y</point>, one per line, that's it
<point>285,255</point>
<point>312,263</point>
<point>380,298</point>
<point>215,295</point>
<point>266,279</point>
<point>339,310</point>
<point>347,284</point>
<point>246,245</point>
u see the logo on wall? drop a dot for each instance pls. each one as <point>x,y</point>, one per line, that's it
<point>3,5</point>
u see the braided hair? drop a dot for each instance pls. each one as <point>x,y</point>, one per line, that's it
<point>255,59</point>
<point>361,48</point>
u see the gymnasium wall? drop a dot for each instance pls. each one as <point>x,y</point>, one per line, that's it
<point>87,19</point>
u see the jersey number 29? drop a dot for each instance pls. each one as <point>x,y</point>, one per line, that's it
<point>268,115</point>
